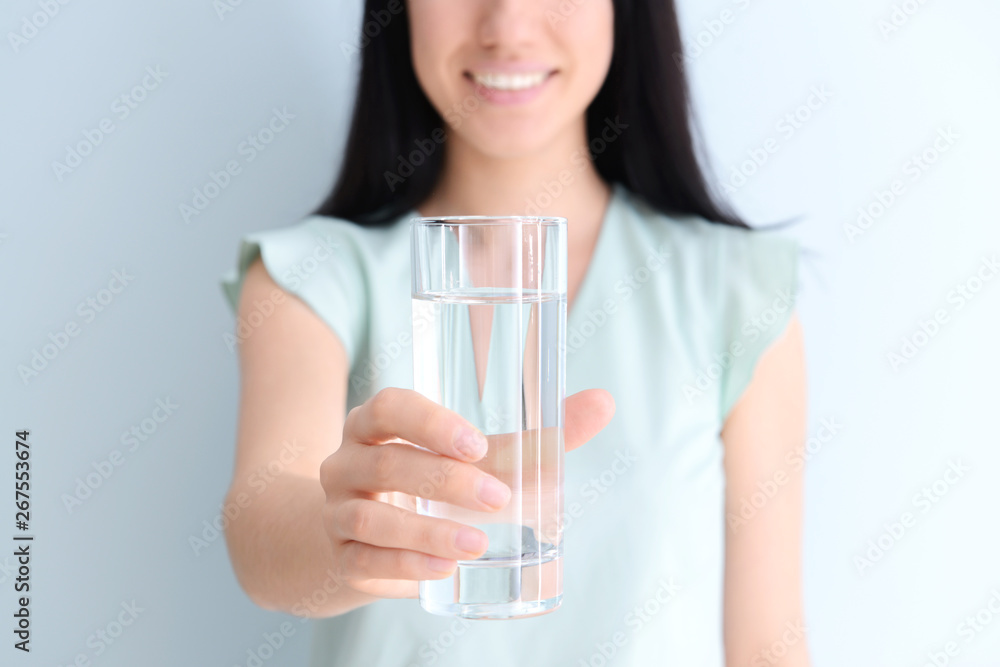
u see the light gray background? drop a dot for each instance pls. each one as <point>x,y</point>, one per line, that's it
<point>162,336</point>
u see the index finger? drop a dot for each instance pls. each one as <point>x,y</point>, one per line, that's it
<point>395,413</point>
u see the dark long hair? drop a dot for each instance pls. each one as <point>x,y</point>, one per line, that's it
<point>395,150</point>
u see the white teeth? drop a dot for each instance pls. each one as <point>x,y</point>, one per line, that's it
<point>510,81</point>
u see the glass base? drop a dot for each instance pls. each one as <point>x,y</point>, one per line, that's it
<point>498,588</point>
<point>504,611</point>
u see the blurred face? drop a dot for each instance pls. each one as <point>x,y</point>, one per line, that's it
<point>511,76</point>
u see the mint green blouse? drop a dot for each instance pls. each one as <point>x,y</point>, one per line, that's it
<point>671,318</point>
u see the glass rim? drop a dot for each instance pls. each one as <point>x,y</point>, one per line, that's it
<point>446,220</point>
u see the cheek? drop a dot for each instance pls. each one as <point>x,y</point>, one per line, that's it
<point>588,36</point>
<point>435,34</point>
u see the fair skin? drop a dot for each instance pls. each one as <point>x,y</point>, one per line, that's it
<point>336,529</point>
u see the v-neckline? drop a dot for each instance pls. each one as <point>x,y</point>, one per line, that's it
<point>596,256</point>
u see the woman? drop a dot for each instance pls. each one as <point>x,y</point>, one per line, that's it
<point>683,315</point>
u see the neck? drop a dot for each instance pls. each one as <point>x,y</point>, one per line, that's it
<point>557,180</point>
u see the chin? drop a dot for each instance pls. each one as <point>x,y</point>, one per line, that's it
<point>508,138</point>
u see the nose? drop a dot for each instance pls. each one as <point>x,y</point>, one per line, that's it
<point>510,23</point>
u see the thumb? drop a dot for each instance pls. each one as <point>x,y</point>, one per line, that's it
<point>587,412</point>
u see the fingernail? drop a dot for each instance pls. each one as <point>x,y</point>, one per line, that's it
<point>493,492</point>
<point>440,564</point>
<point>470,540</point>
<point>471,443</point>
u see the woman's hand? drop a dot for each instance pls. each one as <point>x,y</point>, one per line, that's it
<point>381,546</point>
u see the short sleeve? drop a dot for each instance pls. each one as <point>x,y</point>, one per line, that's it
<point>320,261</point>
<point>759,284</point>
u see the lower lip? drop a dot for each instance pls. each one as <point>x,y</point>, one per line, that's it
<point>509,97</point>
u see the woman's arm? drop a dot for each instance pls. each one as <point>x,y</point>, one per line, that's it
<point>764,625</point>
<point>318,529</point>
<point>293,394</point>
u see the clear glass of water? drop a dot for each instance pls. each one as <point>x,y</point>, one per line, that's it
<point>489,341</point>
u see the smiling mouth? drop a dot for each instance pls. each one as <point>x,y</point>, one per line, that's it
<point>509,82</point>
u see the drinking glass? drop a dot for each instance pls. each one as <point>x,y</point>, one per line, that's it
<point>489,342</point>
